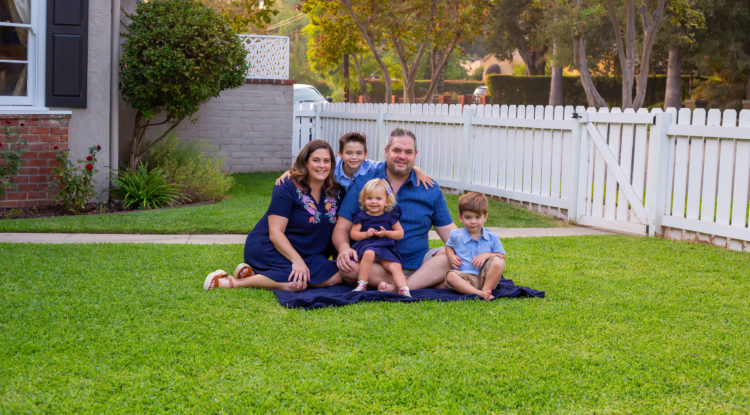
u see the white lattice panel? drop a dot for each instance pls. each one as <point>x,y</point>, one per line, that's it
<point>268,56</point>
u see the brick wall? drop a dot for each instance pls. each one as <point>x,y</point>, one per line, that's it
<point>44,133</point>
<point>252,124</point>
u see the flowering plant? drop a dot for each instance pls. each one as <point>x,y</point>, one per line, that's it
<point>76,183</point>
<point>10,159</point>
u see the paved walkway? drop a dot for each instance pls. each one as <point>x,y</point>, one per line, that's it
<point>76,238</point>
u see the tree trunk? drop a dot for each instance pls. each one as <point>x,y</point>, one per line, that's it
<point>441,68</point>
<point>361,78</point>
<point>673,93</point>
<point>556,87</point>
<point>139,131</point>
<point>438,71</point>
<point>593,97</point>
<point>373,49</point>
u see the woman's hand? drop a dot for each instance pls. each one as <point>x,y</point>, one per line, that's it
<point>300,275</point>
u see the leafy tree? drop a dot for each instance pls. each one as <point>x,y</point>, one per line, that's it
<point>177,55</point>
<point>684,21</point>
<point>332,35</point>
<point>723,48</point>
<point>412,28</point>
<point>244,15</point>
<point>512,25</point>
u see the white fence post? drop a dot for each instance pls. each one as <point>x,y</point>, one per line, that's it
<point>380,133</point>
<point>656,180</point>
<point>468,138</point>
<point>575,171</point>
<point>318,128</point>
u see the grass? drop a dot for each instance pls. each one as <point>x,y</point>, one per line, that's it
<point>629,325</point>
<point>247,203</point>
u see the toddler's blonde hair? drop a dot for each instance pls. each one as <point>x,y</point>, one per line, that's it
<point>370,188</point>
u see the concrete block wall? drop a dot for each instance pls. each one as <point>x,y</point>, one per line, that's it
<point>252,124</point>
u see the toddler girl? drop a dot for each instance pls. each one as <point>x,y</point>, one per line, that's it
<point>376,230</point>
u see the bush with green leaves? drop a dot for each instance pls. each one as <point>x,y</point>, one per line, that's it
<point>194,166</point>
<point>145,188</point>
<point>11,151</point>
<point>75,183</point>
<point>177,54</point>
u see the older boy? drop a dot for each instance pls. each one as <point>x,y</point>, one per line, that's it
<point>473,251</point>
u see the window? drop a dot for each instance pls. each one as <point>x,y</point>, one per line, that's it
<point>19,33</point>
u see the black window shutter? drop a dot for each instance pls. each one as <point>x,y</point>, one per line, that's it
<point>67,53</point>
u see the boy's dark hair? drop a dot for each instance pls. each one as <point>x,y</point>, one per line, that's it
<point>352,138</point>
<point>472,202</point>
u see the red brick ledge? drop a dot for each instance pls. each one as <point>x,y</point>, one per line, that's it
<point>270,81</point>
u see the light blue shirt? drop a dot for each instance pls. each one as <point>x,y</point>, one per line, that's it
<point>467,247</point>
<point>421,209</point>
<point>363,169</point>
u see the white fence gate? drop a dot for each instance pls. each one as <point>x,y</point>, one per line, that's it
<point>589,166</point>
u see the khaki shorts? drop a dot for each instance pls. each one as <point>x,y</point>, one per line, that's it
<point>476,281</point>
<point>430,253</point>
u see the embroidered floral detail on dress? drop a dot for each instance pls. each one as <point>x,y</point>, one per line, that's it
<point>309,205</point>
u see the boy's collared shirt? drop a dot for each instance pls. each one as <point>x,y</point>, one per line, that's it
<point>363,169</point>
<point>421,209</point>
<point>467,247</point>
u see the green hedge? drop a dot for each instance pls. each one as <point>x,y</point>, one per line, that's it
<point>377,88</point>
<point>534,90</point>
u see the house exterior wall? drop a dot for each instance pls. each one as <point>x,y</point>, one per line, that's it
<point>75,129</point>
<point>90,126</point>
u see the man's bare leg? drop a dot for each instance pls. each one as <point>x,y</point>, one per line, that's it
<point>431,274</point>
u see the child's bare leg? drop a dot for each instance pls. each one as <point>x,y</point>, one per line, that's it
<point>464,287</point>
<point>258,281</point>
<point>365,265</point>
<point>398,276</point>
<point>494,272</point>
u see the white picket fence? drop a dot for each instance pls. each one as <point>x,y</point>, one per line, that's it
<point>677,174</point>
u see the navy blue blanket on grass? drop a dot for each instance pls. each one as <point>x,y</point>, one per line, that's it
<point>339,295</point>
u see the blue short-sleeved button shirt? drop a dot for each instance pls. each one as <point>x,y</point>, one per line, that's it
<point>364,168</point>
<point>421,209</point>
<point>467,247</point>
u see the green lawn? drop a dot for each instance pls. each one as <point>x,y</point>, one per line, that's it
<point>246,204</point>
<point>629,325</point>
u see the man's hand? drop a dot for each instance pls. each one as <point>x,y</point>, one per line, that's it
<point>346,259</point>
<point>480,259</point>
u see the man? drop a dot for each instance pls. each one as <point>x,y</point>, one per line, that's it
<point>421,210</point>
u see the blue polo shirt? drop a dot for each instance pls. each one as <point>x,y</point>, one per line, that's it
<point>467,247</point>
<point>421,209</point>
<point>363,169</point>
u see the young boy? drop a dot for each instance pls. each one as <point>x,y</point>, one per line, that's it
<point>352,162</point>
<point>475,252</point>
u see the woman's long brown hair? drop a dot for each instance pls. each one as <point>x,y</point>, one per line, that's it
<point>298,173</point>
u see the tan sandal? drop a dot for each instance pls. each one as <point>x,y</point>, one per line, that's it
<point>239,269</point>
<point>212,280</point>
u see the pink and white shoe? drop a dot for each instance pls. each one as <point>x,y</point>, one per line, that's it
<point>361,286</point>
<point>404,291</point>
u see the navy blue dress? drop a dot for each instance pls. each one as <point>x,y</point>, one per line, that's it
<point>384,248</point>
<point>309,231</point>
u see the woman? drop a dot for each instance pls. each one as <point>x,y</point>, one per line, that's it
<point>289,247</point>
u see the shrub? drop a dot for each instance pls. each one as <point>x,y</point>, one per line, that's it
<point>193,166</point>
<point>145,188</point>
<point>719,94</point>
<point>75,183</point>
<point>177,54</point>
<point>10,159</point>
